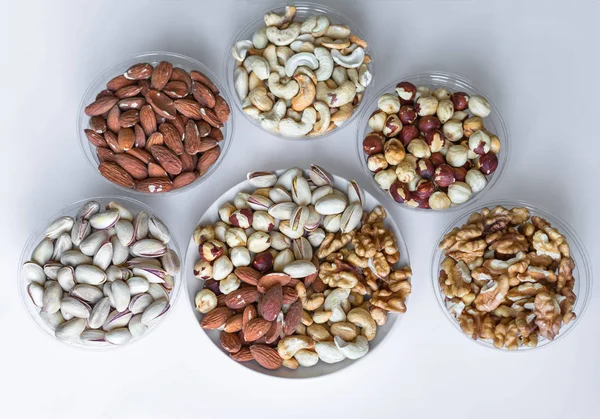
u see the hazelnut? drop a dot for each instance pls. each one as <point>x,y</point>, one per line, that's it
<point>429,123</point>
<point>225,212</point>
<point>470,153</point>
<point>405,172</point>
<point>241,218</point>
<point>425,188</point>
<point>263,262</point>
<point>407,114</point>
<point>263,221</point>
<point>439,200</point>
<point>421,202</point>
<point>441,93</point>
<point>456,156</point>
<point>460,100</point>
<point>377,120</point>
<point>494,143</point>
<point>419,148</point>
<point>471,125</point>
<point>211,250</point>
<point>406,90</point>
<point>422,91</point>
<point>229,284</point>
<point>377,162</point>
<point>408,133</point>
<point>394,151</point>
<point>425,168</point>
<point>460,115</point>
<point>426,105</point>
<point>385,178</point>
<point>400,192</point>
<point>459,192</point>
<point>437,159</point>
<point>373,143</point>
<point>444,176</point>
<point>411,161</point>
<point>479,106</point>
<point>453,130</point>
<point>236,237</point>
<point>445,110</point>
<point>460,173</point>
<point>488,163</point>
<point>240,256</point>
<point>392,126</point>
<point>412,185</point>
<point>476,180</point>
<point>203,269</point>
<point>389,103</point>
<point>435,140</point>
<point>479,142</point>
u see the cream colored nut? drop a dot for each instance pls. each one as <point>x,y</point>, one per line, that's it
<point>445,110</point>
<point>259,98</point>
<point>292,128</point>
<point>306,358</point>
<point>333,303</point>
<point>453,130</point>
<point>306,318</point>
<point>289,345</point>
<point>328,352</point>
<point>457,156</point>
<point>389,103</point>
<point>460,115</point>
<point>254,81</point>
<point>240,256</point>
<point>202,270</point>
<point>263,221</point>
<point>352,350</point>
<point>479,106</point>
<point>286,36</point>
<point>324,117</point>
<point>337,97</point>
<point>325,69</point>
<point>439,200</point>
<point>352,60</point>
<point>377,120</point>
<point>274,19</point>
<point>426,105</point>
<point>441,93</point>
<point>241,83</point>
<point>422,91</point>
<point>364,75</point>
<point>240,49</point>
<point>229,284</point>
<point>362,318</point>
<point>258,242</point>
<point>378,314</point>
<point>318,332</point>
<point>300,59</point>
<point>205,301</point>
<point>321,316</point>
<point>258,65</point>
<point>476,180</point>
<point>225,212</point>
<point>259,39</point>
<point>236,236</point>
<point>419,148</point>
<point>385,178</point>
<point>459,192</point>
<point>309,303</point>
<point>283,90</point>
<point>270,54</point>
<point>283,258</point>
<point>479,142</point>
<point>270,120</point>
<point>345,330</point>
<point>377,162</point>
<point>222,267</point>
<point>220,229</point>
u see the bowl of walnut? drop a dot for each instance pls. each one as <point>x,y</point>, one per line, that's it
<point>511,276</point>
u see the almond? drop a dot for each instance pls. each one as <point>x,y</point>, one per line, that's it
<point>176,89</point>
<point>179,74</point>
<point>204,128</point>
<point>105,154</point>
<point>230,342</point>
<point>116,174</point>
<point>243,355</point>
<point>274,332</point>
<point>210,117</point>
<point>95,138</point>
<point>101,105</point>
<point>147,120</point>
<point>141,154</point>
<point>154,185</point>
<point>183,179</point>
<point>271,302</point>
<point>207,159</point>
<point>203,95</point>
<point>248,314</point>
<point>221,109</point>
<point>189,108</point>
<point>267,281</point>
<point>145,87</point>
<point>112,120</point>
<point>154,139</point>
<point>98,124</point>
<point>139,71</point>
<point>104,93</point>
<point>179,123</point>
<point>128,91</point>
<point>221,300</point>
<point>256,328</point>
<point>206,144</point>
<point>126,138</point>
<point>113,142</point>
<point>119,82</point>
<point>166,158</point>
<point>154,170</point>
<point>216,133</point>
<point>191,138</point>
<point>131,103</point>
<point>135,167</point>
<point>129,118</point>
<point>172,138</point>
<point>234,324</point>
<point>187,163</point>
<point>201,77</point>
<point>216,318</point>
<point>293,317</point>
<point>266,356</point>
<point>241,297</point>
<point>140,136</point>
<point>247,274</point>
<point>161,104</point>
<point>161,75</point>
<point>289,295</point>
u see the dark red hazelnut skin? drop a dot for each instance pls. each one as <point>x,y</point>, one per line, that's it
<point>429,123</point>
<point>400,192</point>
<point>425,168</point>
<point>373,143</point>
<point>460,173</point>
<point>488,163</point>
<point>408,87</point>
<point>467,165</point>
<point>407,134</point>
<point>407,114</point>
<point>436,138</point>
<point>212,285</point>
<point>444,176</point>
<point>425,188</point>
<point>423,203</point>
<point>437,159</point>
<point>263,262</point>
<point>460,101</point>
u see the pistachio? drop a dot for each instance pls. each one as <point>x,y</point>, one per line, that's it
<point>262,179</point>
<point>330,205</point>
<point>282,211</point>
<point>104,220</point>
<point>279,241</point>
<point>301,193</point>
<point>283,258</point>
<point>300,268</point>
<point>59,227</point>
<point>154,311</point>
<point>158,230</point>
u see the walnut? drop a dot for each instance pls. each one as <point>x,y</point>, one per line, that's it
<point>548,315</point>
<point>510,244</point>
<point>512,342</point>
<point>565,272</point>
<point>525,290</point>
<point>544,246</point>
<point>525,323</point>
<point>376,216</point>
<point>530,341</point>
<point>398,277</point>
<point>492,294</point>
<point>500,335</point>
<point>488,325</point>
<point>332,274</point>
<point>389,301</point>
<point>381,267</point>
<point>536,274</point>
<point>334,242</point>
<point>467,251</point>
<point>357,261</point>
<point>544,261</point>
<point>470,322</point>
<point>456,279</point>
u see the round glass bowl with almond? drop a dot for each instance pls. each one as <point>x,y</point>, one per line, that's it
<point>155,123</point>
<point>511,276</point>
<point>299,71</point>
<point>294,267</point>
<point>100,273</point>
<point>432,141</point>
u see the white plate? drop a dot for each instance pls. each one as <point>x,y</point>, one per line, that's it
<point>194,285</point>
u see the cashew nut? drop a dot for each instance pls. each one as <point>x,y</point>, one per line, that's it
<point>306,94</point>
<point>306,358</point>
<point>335,44</point>
<point>379,314</point>
<point>292,128</point>
<point>240,82</point>
<point>254,81</point>
<point>337,32</point>
<point>240,49</point>
<point>252,111</point>
<point>322,316</point>
<point>333,303</point>
<point>259,65</point>
<point>345,330</point>
<point>353,60</point>
<point>324,117</point>
<point>270,120</point>
<point>290,113</point>
<point>284,54</point>
<point>270,55</point>
<point>329,352</point>
<point>259,39</point>
<point>352,350</point>
<point>345,93</point>
<point>307,72</point>
<point>362,318</point>
<point>318,332</point>
<point>290,363</point>
<point>308,25</point>
<point>325,63</point>
<point>273,19</point>
<point>302,58</point>
<point>339,74</point>
<point>302,46</point>
<point>283,36</point>
<point>282,90</point>
<point>306,318</point>
<point>353,76</point>
<point>258,97</point>
<point>289,345</point>
<point>364,75</point>
<point>309,303</point>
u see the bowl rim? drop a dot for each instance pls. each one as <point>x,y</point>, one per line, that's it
<point>109,73</point>
<point>37,235</point>
<point>464,83</point>
<point>312,8</point>
<point>393,328</point>
<point>583,265</point>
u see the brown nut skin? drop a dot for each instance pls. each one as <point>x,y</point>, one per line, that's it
<point>436,140</point>
<point>406,91</point>
<point>392,126</point>
<point>422,202</point>
<point>407,114</point>
<point>373,143</point>
<point>460,101</point>
<point>407,134</point>
<point>460,173</point>
<point>377,162</point>
<point>444,176</point>
<point>437,159</point>
<point>471,125</point>
<point>425,188</point>
<point>488,163</point>
<point>429,123</point>
<point>263,262</point>
<point>425,168</point>
<point>400,192</point>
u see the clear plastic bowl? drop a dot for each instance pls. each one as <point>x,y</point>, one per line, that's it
<point>99,84</point>
<point>37,236</point>
<point>304,10</point>
<point>194,285</point>
<point>494,123</point>
<point>582,272</point>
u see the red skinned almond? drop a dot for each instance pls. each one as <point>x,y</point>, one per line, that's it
<point>271,302</point>
<point>243,355</point>
<point>116,174</point>
<point>136,168</point>
<point>161,75</point>
<point>242,297</point>
<point>101,105</point>
<point>201,77</point>
<point>293,317</point>
<point>172,137</point>
<point>207,159</point>
<point>248,275</point>
<point>161,104</point>
<point>267,281</point>
<point>183,179</point>
<point>154,185</point>
<point>266,356</point>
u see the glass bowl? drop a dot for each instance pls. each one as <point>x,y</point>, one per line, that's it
<point>304,10</point>
<point>494,123</point>
<point>99,84</point>
<point>582,272</point>
<point>194,285</point>
<point>70,210</point>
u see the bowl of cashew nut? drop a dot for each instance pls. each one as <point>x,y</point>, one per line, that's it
<point>511,276</point>
<point>299,71</point>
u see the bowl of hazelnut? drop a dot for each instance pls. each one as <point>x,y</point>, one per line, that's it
<point>432,141</point>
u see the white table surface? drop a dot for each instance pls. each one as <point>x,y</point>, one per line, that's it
<point>539,62</point>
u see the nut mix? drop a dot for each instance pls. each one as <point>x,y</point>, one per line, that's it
<point>301,78</point>
<point>156,129</point>
<point>102,277</point>
<point>508,278</point>
<point>430,148</point>
<point>296,271</point>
